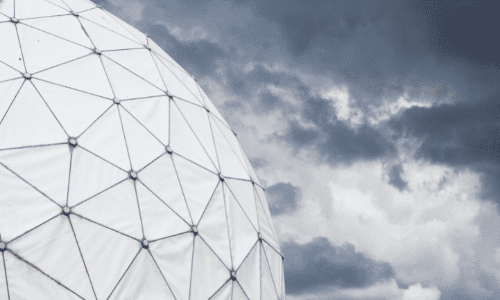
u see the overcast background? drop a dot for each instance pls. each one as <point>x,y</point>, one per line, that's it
<point>374,125</point>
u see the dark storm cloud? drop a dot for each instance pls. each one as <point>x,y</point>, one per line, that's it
<point>283,198</point>
<point>395,178</point>
<point>319,264</point>
<point>462,134</point>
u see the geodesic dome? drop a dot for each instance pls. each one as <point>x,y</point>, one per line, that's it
<point>119,179</point>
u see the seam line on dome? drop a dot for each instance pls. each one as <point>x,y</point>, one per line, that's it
<point>27,25</point>
<point>143,127</point>
<point>105,190</point>
<point>209,201</point>
<point>108,30</point>
<point>242,289</point>
<point>158,267</point>
<point>189,90</point>
<point>248,254</point>
<point>57,5</point>
<point>69,176</point>
<point>6,278</point>
<point>32,146</point>
<point>192,263</point>
<point>150,163</point>
<point>80,12</point>
<point>195,135</point>
<point>123,27</point>
<point>49,109</point>
<point>11,79</point>
<point>68,87</point>
<point>164,238</point>
<point>29,184</point>
<point>66,62</point>
<point>124,234</point>
<point>168,59</point>
<point>31,229</point>
<point>21,48</point>
<point>103,159</point>
<point>270,271</point>
<point>182,189</point>
<point>271,246</point>
<point>266,216</point>
<point>214,253</point>
<point>124,273</point>
<point>39,270</point>
<point>104,112</point>
<point>139,209</point>
<point>81,255</point>
<point>199,91</point>
<point>166,205</point>
<point>215,144</point>
<point>227,226</point>
<point>45,17</point>
<point>158,69</point>
<point>242,209</point>
<point>218,290</point>
<point>125,137</point>
<point>14,99</point>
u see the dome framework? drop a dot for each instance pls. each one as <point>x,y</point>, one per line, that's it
<point>119,179</point>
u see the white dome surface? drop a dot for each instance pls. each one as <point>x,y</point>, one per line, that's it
<point>119,179</point>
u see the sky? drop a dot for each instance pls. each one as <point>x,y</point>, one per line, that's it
<point>373,125</point>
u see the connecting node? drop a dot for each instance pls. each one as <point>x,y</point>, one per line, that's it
<point>27,76</point>
<point>234,133</point>
<point>170,96</point>
<point>116,101</point>
<point>169,150</point>
<point>132,175</point>
<point>74,14</point>
<point>145,244</point>
<point>72,142</point>
<point>232,275</point>
<point>66,211</point>
<point>96,51</point>
<point>260,237</point>
<point>3,246</point>
<point>208,110</point>
<point>221,178</point>
<point>14,20</point>
<point>253,182</point>
<point>147,47</point>
<point>194,230</point>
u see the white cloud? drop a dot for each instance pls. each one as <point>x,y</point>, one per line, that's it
<point>417,292</point>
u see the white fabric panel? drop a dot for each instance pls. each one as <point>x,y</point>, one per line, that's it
<point>105,39</point>
<point>65,27</point>
<point>274,260</point>
<point>37,8</point>
<point>161,177</point>
<point>213,227</point>
<point>107,254</point>
<point>174,257</point>
<point>107,130</point>
<point>29,122</point>
<point>143,281</point>
<point>7,8</point>
<point>46,168</point>
<point>10,52</point>
<point>115,208</point>
<point>53,249</point>
<point>8,90</point>
<point>26,282</point>
<point>75,110</point>
<point>158,219</point>
<point>85,74</point>
<point>197,185</point>
<point>152,113</point>
<point>85,182</point>
<point>248,273</point>
<point>208,271</point>
<point>242,235</point>
<point>15,197</point>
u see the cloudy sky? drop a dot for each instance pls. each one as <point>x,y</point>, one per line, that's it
<point>374,125</point>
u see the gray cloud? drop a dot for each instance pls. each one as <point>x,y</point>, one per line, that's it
<point>283,198</point>
<point>395,178</point>
<point>319,264</point>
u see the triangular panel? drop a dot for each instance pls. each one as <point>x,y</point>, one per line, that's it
<point>51,164</point>
<point>75,110</point>
<point>248,273</point>
<point>7,8</point>
<point>209,273</point>
<point>197,184</point>
<point>52,248</point>
<point>15,197</point>
<point>107,254</point>
<point>37,8</point>
<point>161,177</point>
<point>10,53</point>
<point>85,182</point>
<point>143,280</point>
<point>174,85</point>
<point>115,208</point>
<point>153,113</point>
<point>26,282</point>
<point>174,257</point>
<point>213,227</point>
<point>66,27</point>
<point>158,219</point>
<point>143,147</point>
<point>8,90</point>
<point>184,142</point>
<point>105,39</point>
<point>85,74</point>
<point>139,62</point>
<point>127,85</point>
<point>244,193</point>
<point>241,232</point>
<point>197,118</point>
<point>108,131</point>
<point>42,127</point>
